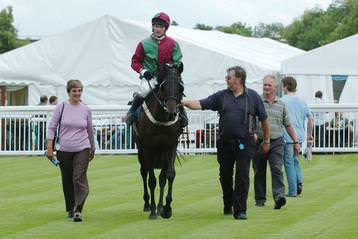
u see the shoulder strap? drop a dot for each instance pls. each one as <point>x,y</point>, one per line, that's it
<point>249,112</point>
<point>59,122</point>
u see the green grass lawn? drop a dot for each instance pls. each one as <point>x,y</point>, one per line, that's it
<point>32,205</point>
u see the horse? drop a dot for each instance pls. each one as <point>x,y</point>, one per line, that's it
<point>157,131</point>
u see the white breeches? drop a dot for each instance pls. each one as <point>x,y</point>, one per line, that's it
<point>144,88</point>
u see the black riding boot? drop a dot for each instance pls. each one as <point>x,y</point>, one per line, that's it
<point>137,101</point>
<point>183,118</point>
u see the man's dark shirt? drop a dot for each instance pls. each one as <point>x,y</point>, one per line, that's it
<point>232,123</point>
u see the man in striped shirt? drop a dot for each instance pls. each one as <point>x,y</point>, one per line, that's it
<point>279,119</point>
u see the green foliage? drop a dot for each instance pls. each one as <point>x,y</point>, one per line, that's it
<point>174,23</point>
<point>23,42</point>
<point>317,27</point>
<point>236,28</point>
<point>8,32</point>
<point>203,27</point>
<point>272,30</point>
<point>32,204</point>
<point>348,24</point>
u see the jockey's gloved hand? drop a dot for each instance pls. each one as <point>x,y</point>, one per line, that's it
<point>147,74</point>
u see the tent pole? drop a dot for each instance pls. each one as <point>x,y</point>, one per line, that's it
<point>3,95</point>
<point>2,103</point>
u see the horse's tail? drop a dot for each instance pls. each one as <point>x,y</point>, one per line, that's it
<point>180,157</point>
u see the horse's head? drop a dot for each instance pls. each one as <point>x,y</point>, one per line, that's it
<point>171,88</point>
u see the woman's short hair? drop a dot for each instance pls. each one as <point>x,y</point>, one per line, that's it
<point>290,83</point>
<point>73,84</point>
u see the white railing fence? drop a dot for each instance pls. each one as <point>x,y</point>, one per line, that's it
<point>335,127</point>
<point>23,130</point>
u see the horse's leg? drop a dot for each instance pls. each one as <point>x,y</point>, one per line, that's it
<point>144,173</point>
<point>152,184</point>
<point>162,182</point>
<point>167,210</point>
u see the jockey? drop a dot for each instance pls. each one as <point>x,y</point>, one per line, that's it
<point>153,51</point>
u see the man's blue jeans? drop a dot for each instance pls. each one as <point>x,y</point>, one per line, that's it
<point>293,170</point>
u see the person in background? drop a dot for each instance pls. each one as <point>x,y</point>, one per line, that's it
<point>53,100</point>
<point>76,147</point>
<point>299,113</point>
<point>238,107</point>
<point>40,128</point>
<point>279,119</point>
<point>43,100</point>
<point>319,121</point>
<point>342,130</point>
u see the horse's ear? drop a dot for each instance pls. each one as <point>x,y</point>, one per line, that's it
<point>162,72</point>
<point>180,67</point>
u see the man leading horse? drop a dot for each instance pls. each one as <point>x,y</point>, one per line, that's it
<point>158,49</point>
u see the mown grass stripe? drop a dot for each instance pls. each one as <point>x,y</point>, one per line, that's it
<point>31,202</point>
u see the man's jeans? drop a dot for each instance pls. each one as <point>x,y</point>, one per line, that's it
<point>293,170</point>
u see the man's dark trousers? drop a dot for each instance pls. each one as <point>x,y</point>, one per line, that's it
<point>229,154</point>
<point>275,159</point>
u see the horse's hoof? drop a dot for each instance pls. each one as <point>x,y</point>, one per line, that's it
<point>146,208</point>
<point>166,213</point>
<point>159,210</point>
<point>153,216</point>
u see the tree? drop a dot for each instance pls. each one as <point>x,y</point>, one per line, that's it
<point>8,32</point>
<point>272,30</point>
<point>348,24</point>
<point>306,32</point>
<point>316,27</point>
<point>236,28</point>
<point>203,27</point>
<point>174,23</point>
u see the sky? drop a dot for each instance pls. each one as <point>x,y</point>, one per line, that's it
<point>39,18</point>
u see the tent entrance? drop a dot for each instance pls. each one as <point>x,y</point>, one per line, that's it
<point>14,95</point>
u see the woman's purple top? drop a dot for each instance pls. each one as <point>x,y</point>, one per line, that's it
<point>76,133</point>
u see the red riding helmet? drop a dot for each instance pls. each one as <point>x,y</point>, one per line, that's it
<point>162,17</point>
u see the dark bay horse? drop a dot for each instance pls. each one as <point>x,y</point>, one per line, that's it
<point>157,134</point>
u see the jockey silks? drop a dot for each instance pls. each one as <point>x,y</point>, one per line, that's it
<point>151,52</point>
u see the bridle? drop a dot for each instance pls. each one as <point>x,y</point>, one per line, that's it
<point>162,103</point>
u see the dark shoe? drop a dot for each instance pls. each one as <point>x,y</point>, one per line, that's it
<point>70,214</point>
<point>299,188</point>
<point>280,202</point>
<point>291,196</point>
<point>240,215</point>
<point>260,203</point>
<point>228,211</point>
<point>77,217</point>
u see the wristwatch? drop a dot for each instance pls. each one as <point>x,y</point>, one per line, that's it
<point>296,142</point>
<point>266,141</point>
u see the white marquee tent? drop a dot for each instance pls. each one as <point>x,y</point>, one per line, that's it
<point>99,54</point>
<point>315,69</point>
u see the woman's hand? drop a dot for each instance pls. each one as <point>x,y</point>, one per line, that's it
<point>91,154</point>
<point>49,153</point>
